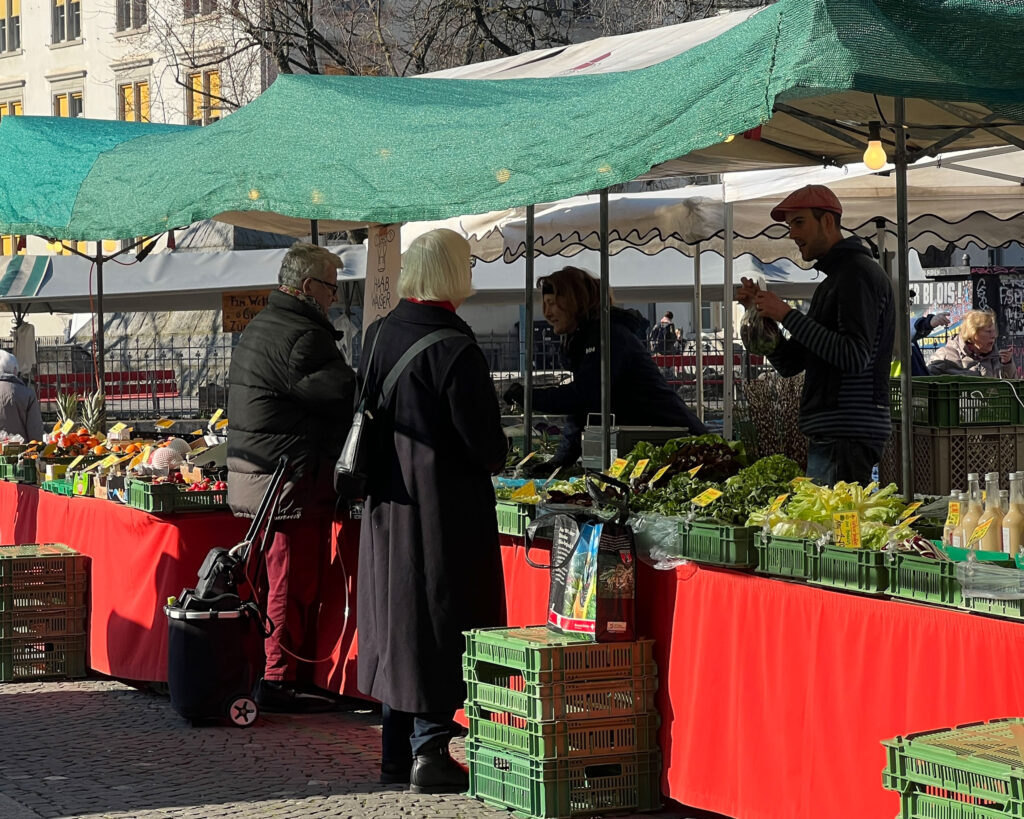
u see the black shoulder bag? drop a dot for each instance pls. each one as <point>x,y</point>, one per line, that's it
<point>352,467</point>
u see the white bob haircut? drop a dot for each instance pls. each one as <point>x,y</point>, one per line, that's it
<point>436,267</point>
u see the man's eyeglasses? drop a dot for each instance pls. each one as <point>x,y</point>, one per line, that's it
<point>334,287</point>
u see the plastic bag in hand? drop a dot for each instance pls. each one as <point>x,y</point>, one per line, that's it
<point>760,334</point>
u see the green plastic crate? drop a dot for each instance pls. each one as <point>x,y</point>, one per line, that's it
<point>917,805</point>
<point>24,472</point>
<point>499,689</point>
<point>168,498</point>
<point>41,658</point>
<point>860,570</point>
<point>717,543</point>
<point>60,486</point>
<point>787,556</point>
<point>977,765</point>
<point>959,401</point>
<point>35,623</point>
<point>513,518</point>
<point>542,657</point>
<point>1012,609</point>
<point>563,739</point>
<point>561,789</point>
<point>915,577</point>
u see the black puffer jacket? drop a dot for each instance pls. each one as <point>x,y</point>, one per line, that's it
<point>291,393</point>
<point>640,395</point>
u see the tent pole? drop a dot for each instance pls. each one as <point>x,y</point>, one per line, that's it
<point>727,297</point>
<point>314,231</point>
<point>100,346</point>
<point>903,299</point>
<point>606,341</point>
<point>698,313</point>
<point>528,336</point>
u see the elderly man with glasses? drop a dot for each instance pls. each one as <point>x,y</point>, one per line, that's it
<point>291,393</point>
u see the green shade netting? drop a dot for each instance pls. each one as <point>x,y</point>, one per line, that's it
<point>397,149</point>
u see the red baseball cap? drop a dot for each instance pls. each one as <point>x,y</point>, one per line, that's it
<point>809,196</point>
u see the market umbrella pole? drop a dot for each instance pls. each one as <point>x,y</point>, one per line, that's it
<point>314,231</point>
<point>528,337</point>
<point>698,303</point>
<point>100,346</point>
<point>727,296</point>
<point>903,299</point>
<point>606,341</point>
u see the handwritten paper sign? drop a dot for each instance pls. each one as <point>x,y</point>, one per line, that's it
<point>241,306</point>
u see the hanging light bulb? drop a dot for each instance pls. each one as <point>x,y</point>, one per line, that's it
<point>874,155</point>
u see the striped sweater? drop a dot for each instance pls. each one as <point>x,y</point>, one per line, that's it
<point>843,345</point>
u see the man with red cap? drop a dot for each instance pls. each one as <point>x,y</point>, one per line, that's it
<point>843,344</point>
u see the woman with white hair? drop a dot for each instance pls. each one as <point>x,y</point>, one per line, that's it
<point>973,351</point>
<point>19,407</point>
<point>429,559</point>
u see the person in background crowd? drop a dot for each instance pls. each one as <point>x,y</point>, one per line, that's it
<point>291,393</point>
<point>973,351</point>
<point>843,345</point>
<point>640,395</point>
<point>429,560</point>
<point>665,337</point>
<point>19,407</point>
<point>923,328</point>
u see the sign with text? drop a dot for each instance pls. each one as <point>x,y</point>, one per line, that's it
<point>241,306</point>
<point>383,263</point>
<point>1001,289</point>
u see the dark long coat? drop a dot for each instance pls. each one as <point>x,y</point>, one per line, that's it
<point>429,559</point>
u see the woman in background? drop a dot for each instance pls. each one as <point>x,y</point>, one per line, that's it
<point>973,351</point>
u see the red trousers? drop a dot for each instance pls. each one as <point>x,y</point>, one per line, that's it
<point>294,559</point>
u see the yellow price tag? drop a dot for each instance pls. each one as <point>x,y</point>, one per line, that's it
<point>93,465</point>
<point>657,476</point>
<point>638,470</point>
<point>48,450</point>
<point>110,460</point>
<point>910,510</point>
<point>527,490</point>
<point>164,423</point>
<point>75,462</point>
<point>706,497</point>
<point>777,503</point>
<point>693,472</point>
<point>124,458</point>
<point>953,516</point>
<point>846,529</point>
<point>216,416</point>
<point>196,432</point>
<point>223,422</point>
<point>616,468</point>
<point>908,521</point>
<point>120,426</point>
<point>979,532</point>
<point>146,452</point>
<point>67,426</point>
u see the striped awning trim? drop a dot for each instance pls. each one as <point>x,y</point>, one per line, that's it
<point>23,275</point>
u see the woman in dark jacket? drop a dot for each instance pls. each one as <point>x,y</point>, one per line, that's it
<point>429,560</point>
<point>640,395</point>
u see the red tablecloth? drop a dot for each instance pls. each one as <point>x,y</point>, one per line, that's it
<point>137,561</point>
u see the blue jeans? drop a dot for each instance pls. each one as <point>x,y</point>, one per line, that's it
<point>830,460</point>
<point>405,735</point>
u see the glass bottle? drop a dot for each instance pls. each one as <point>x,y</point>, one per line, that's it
<point>1004,501</point>
<point>1013,523</point>
<point>958,530</point>
<point>974,509</point>
<point>993,515</point>
<point>952,518</point>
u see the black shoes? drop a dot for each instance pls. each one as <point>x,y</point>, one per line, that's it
<point>435,771</point>
<point>283,697</point>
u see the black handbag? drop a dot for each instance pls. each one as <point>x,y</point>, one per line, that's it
<point>353,465</point>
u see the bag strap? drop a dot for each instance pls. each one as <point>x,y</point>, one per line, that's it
<point>373,346</point>
<point>427,341</point>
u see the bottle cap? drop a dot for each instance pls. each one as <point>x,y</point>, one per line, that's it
<point>991,476</point>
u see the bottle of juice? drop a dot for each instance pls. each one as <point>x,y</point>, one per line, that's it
<point>959,541</point>
<point>1004,501</point>
<point>993,515</point>
<point>969,518</point>
<point>952,518</point>
<point>1013,523</point>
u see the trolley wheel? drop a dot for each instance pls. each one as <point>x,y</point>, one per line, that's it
<point>243,712</point>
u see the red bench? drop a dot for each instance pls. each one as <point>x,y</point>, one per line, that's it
<point>708,360</point>
<point>119,385</point>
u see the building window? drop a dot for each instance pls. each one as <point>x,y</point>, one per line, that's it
<point>193,8</point>
<point>67,20</point>
<point>67,105</point>
<point>10,25</point>
<point>203,104</point>
<point>10,109</point>
<point>131,14</point>
<point>133,101</point>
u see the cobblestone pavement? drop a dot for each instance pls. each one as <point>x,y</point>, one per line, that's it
<point>99,748</point>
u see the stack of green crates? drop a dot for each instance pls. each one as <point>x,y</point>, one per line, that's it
<point>970,772</point>
<point>42,612</point>
<point>560,726</point>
